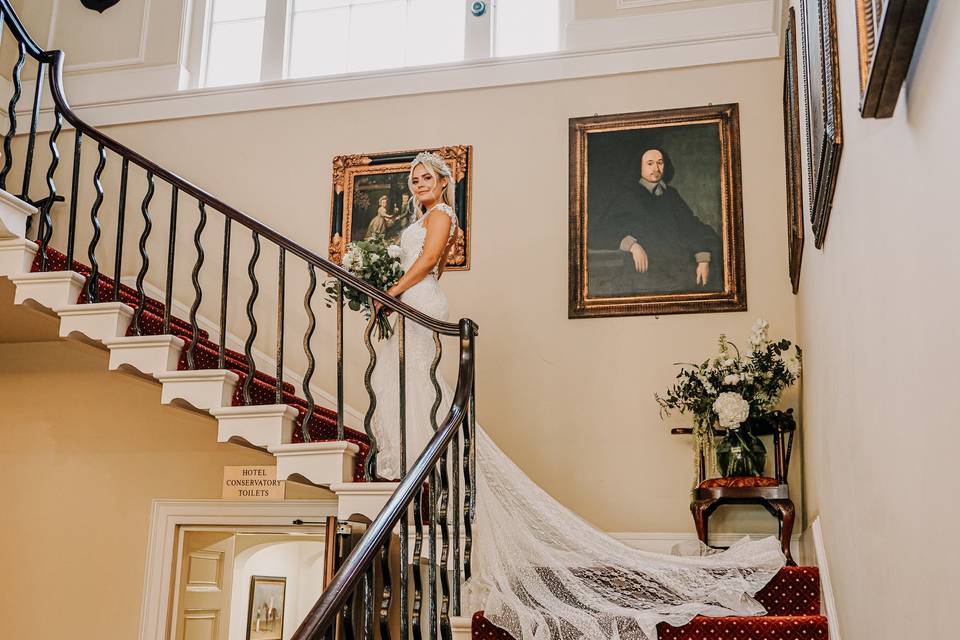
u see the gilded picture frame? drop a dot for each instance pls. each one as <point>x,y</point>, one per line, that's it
<point>793,151</point>
<point>370,195</point>
<point>266,608</point>
<point>699,148</point>
<point>887,33</point>
<point>822,112</point>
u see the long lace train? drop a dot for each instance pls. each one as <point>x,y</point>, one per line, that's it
<point>539,570</point>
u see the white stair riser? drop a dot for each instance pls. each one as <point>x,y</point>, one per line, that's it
<point>211,392</point>
<point>319,463</point>
<point>48,290</point>
<point>13,216</point>
<point>95,322</point>
<point>260,431</point>
<point>16,257</point>
<point>152,359</point>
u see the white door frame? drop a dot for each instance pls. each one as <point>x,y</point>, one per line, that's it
<point>165,518</point>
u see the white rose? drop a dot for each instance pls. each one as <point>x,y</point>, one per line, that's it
<point>394,251</point>
<point>731,378</point>
<point>731,409</point>
<point>374,257</point>
<point>348,260</point>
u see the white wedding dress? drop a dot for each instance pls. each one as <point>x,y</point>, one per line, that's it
<point>538,570</point>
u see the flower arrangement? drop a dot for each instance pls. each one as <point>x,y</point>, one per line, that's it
<point>729,388</point>
<point>372,260</point>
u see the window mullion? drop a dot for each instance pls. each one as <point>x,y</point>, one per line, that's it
<point>478,39</point>
<point>274,36</point>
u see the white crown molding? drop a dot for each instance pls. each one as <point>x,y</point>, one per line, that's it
<point>105,64</point>
<point>826,587</point>
<point>740,31</point>
<point>166,516</point>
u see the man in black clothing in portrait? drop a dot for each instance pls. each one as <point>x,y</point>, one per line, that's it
<point>649,241</point>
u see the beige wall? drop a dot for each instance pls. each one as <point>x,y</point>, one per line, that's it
<point>85,451</point>
<point>877,315</point>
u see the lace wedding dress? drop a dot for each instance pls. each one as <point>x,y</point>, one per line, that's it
<point>540,571</point>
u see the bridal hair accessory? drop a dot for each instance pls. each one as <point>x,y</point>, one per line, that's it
<point>432,160</point>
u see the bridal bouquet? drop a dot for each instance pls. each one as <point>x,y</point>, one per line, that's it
<point>731,388</point>
<point>375,261</point>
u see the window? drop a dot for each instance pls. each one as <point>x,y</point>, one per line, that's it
<point>247,41</point>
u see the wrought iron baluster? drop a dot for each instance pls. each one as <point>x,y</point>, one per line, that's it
<point>404,523</point>
<point>308,350</point>
<point>386,597</point>
<point>12,114</point>
<point>468,488</point>
<point>74,187</point>
<point>121,215</point>
<point>340,390</point>
<point>368,580</point>
<point>432,567</point>
<point>281,296</point>
<point>171,251</point>
<point>144,257</point>
<point>346,617</point>
<point>224,290</point>
<point>46,222</point>
<point>370,467</point>
<point>434,492</point>
<point>417,552</point>
<point>441,511</point>
<point>455,471</point>
<point>248,345</point>
<point>93,282</point>
<point>32,140</point>
<point>197,291</point>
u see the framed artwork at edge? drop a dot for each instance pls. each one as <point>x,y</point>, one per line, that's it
<point>792,149</point>
<point>887,32</point>
<point>371,196</point>
<point>821,81</point>
<point>265,611</point>
<point>687,219</point>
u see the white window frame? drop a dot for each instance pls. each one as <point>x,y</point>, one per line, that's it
<point>479,39</point>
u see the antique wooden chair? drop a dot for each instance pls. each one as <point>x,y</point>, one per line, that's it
<point>770,493</point>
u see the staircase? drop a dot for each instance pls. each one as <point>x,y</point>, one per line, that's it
<point>39,238</point>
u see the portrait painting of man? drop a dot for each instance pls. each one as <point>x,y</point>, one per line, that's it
<point>655,213</point>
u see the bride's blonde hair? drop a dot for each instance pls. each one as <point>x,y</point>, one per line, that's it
<point>438,168</point>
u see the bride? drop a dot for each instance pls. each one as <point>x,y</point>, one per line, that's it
<point>550,574</point>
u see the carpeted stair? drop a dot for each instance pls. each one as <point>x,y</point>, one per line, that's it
<point>263,388</point>
<point>792,600</point>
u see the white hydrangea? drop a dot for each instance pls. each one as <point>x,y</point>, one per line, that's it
<point>347,261</point>
<point>732,409</point>
<point>373,258</point>
<point>394,251</point>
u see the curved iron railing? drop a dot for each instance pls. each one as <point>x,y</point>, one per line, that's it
<point>364,584</point>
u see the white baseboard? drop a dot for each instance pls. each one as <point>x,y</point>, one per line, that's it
<point>826,588</point>
<point>664,542</point>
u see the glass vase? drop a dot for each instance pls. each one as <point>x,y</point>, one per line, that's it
<point>740,453</point>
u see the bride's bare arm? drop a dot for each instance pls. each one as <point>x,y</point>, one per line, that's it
<point>437,224</point>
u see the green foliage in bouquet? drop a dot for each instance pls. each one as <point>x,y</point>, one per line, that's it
<point>375,261</point>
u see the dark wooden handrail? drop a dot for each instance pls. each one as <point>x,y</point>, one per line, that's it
<point>55,59</point>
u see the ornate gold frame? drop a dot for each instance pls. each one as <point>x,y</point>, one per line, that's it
<point>734,294</point>
<point>347,167</point>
